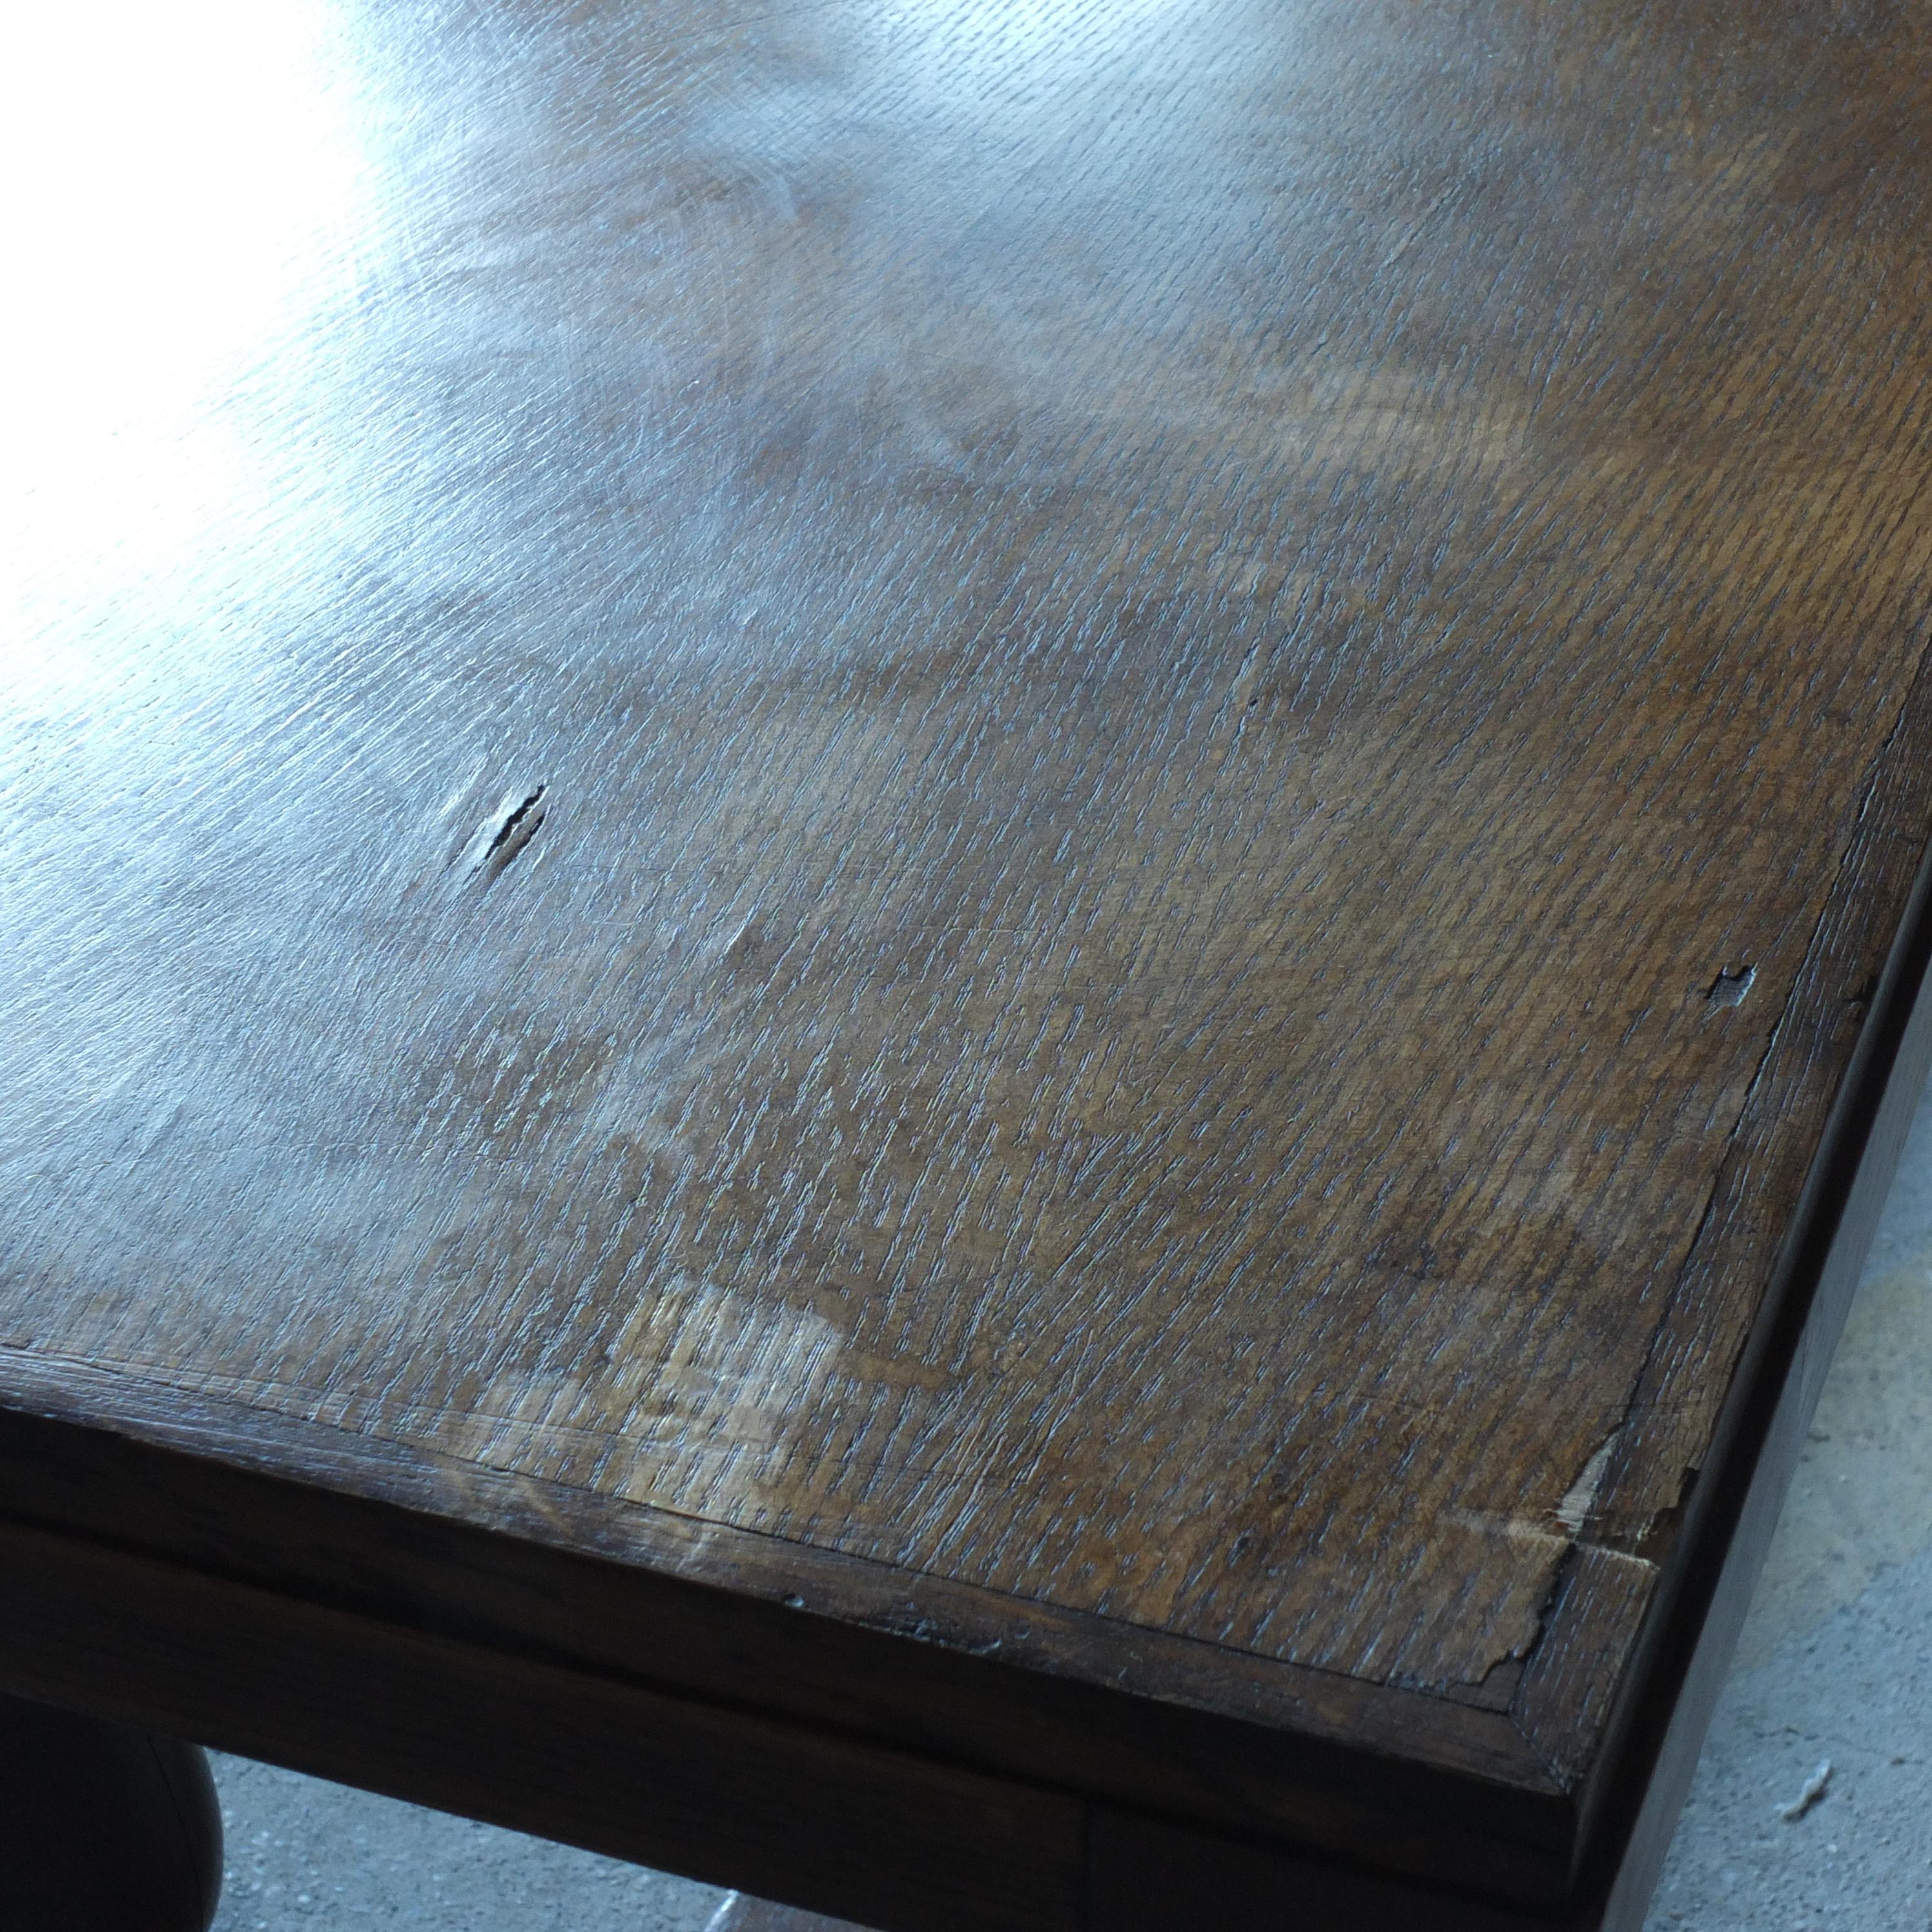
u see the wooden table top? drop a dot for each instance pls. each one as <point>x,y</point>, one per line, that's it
<point>1049,831</point>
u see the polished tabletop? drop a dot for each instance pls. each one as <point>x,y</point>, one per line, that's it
<point>1074,813</point>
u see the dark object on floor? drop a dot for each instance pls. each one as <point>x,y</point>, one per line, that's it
<point>103,1827</point>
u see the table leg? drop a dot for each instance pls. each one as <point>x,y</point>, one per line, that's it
<point>740,1913</point>
<point>103,1828</point>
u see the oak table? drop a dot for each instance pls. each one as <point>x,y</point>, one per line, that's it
<point>956,950</point>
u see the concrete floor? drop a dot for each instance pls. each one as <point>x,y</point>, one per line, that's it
<point>1835,1664</point>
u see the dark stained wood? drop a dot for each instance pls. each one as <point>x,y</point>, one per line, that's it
<point>566,1750</point>
<point>894,1681</point>
<point>1679,1670</point>
<point>713,1791</point>
<point>984,885</point>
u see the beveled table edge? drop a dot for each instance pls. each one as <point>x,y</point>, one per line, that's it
<point>1356,1763</point>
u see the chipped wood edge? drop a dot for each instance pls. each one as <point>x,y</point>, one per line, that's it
<point>1175,1727</point>
<point>1657,1707</point>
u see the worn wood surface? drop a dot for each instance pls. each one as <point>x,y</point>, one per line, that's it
<point>1046,833</point>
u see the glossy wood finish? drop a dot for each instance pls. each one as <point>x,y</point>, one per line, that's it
<point>984,876</point>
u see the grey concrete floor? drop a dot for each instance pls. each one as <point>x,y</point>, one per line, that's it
<point>1835,1664</point>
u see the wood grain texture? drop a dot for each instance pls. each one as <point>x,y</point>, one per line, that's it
<point>1310,1759</point>
<point>1047,829</point>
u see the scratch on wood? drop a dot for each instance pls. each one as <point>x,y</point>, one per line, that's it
<point>1573,1511</point>
<point>507,831</point>
<point>1417,228</point>
<point>1528,1529</point>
